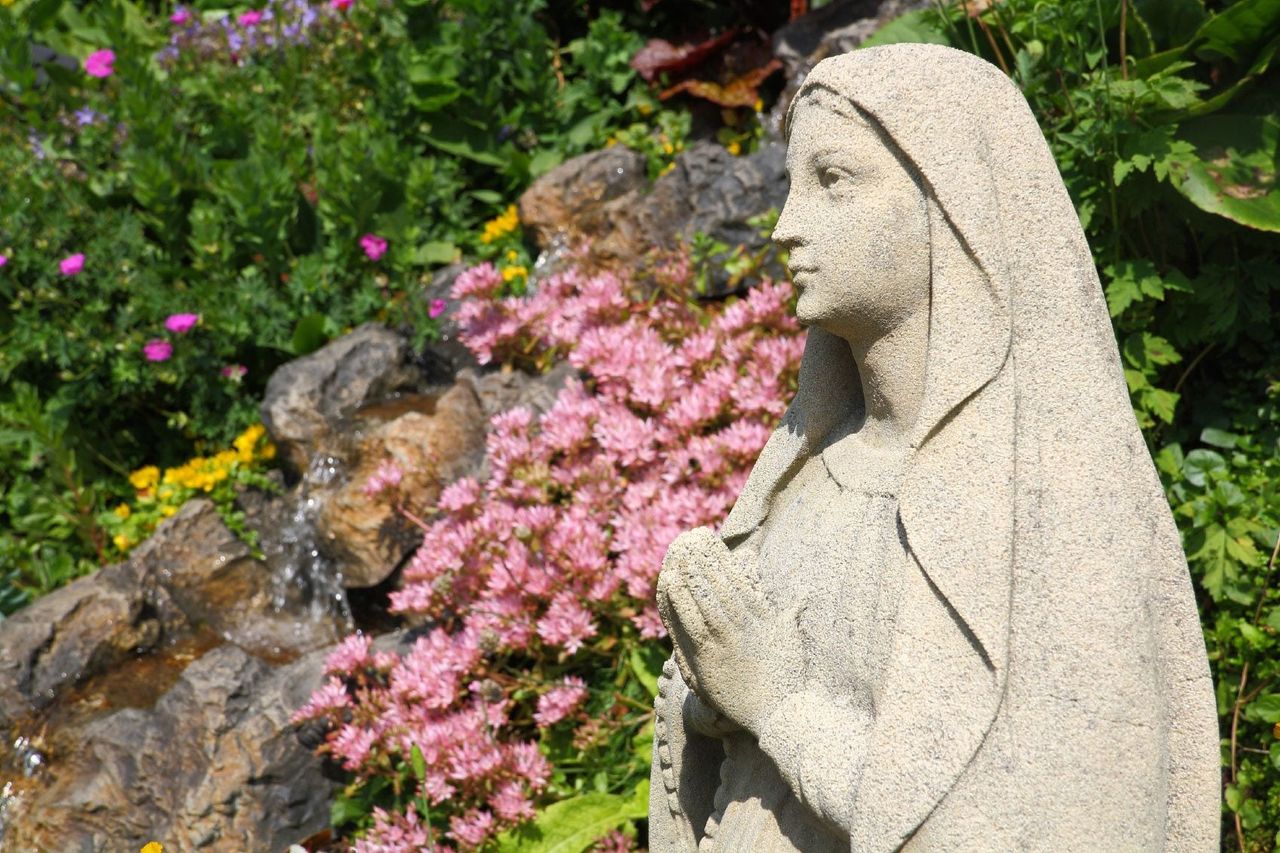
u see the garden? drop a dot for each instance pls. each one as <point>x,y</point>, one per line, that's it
<point>411,310</point>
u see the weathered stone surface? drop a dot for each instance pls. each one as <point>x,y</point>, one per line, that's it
<point>709,191</point>
<point>571,200</point>
<point>72,632</point>
<point>830,30</point>
<point>502,390</point>
<point>307,396</point>
<point>192,576</point>
<point>214,765</point>
<point>993,643</point>
<point>431,449</point>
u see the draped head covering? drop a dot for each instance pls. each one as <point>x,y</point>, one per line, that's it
<point>1031,504</point>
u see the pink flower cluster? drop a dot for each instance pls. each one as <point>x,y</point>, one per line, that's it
<point>541,567</point>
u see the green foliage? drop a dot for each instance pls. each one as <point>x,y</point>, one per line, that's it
<point>238,186</point>
<point>1164,118</point>
<point>575,824</point>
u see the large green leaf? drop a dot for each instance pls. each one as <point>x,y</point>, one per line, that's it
<point>1238,31</point>
<point>910,27</point>
<point>1171,22</point>
<point>573,825</point>
<point>1233,171</point>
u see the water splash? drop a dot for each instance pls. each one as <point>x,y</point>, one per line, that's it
<point>305,578</point>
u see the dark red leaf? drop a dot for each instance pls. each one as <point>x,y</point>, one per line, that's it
<point>658,55</point>
<point>738,92</point>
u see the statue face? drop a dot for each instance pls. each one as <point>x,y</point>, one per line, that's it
<point>856,226</point>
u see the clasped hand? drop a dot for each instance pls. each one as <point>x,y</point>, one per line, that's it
<point>735,652</point>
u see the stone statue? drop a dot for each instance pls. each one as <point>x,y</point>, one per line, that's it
<point>950,610</point>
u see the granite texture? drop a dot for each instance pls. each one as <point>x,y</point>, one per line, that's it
<point>950,610</point>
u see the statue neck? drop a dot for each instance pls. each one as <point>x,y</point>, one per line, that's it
<point>892,372</point>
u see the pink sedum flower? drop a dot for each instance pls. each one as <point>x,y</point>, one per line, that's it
<point>374,246</point>
<point>72,264</point>
<point>436,308</point>
<point>157,349</point>
<point>563,538</point>
<point>180,324</point>
<point>560,701</point>
<point>250,19</point>
<point>100,63</point>
<point>387,476</point>
<point>472,829</point>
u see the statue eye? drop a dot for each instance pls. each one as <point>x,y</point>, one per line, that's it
<point>828,177</point>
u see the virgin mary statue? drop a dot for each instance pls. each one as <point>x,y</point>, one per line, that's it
<point>950,610</point>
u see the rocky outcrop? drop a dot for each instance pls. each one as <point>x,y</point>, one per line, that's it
<point>709,191</point>
<point>430,448</point>
<point>214,765</point>
<point>192,577</point>
<point>306,398</point>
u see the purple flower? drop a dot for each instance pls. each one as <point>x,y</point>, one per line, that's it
<point>374,246</point>
<point>72,264</point>
<point>436,308</point>
<point>181,323</point>
<point>98,63</point>
<point>157,349</point>
<point>86,116</point>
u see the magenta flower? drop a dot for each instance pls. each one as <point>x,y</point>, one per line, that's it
<point>181,323</point>
<point>4,259</point>
<point>98,63</point>
<point>340,5</point>
<point>234,372</point>
<point>436,308</point>
<point>72,264</point>
<point>180,17</point>
<point>250,18</point>
<point>157,349</point>
<point>374,246</point>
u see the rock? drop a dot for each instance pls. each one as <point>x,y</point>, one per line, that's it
<point>709,191</point>
<point>571,200</point>
<point>214,765</point>
<point>500,391</point>
<point>431,449</point>
<point>63,637</point>
<point>192,577</point>
<point>306,397</point>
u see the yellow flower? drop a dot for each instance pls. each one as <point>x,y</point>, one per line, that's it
<point>268,451</point>
<point>145,478</point>
<point>122,511</point>
<point>645,109</point>
<point>168,511</point>
<point>758,106</point>
<point>667,168</point>
<point>510,274</point>
<point>735,148</point>
<point>121,542</point>
<point>152,847</point>
<point>227,458</point>
<point>512,255</point>
<point>502,225</point>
